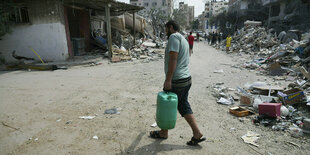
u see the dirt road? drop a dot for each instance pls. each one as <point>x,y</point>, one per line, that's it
<point>44,109</point>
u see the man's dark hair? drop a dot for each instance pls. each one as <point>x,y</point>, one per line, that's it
<point>190,33</point>
<point>174,24</point>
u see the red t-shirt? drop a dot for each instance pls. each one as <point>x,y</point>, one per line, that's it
<point>191,40</point>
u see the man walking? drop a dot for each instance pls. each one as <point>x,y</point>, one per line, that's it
<point>178,80</point>
<point>213,38</point>
<point>220,37</point>
<point>197,35</point>
<point>205,37</point>
<point>190,39</point>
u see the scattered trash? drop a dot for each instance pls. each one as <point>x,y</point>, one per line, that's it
<point>95,137</point>
<point>154,125</point>
<point>251,138</point>
<point>87,117</point>
<point>296,132</point>
<point>265,120</point>
<point>284,111</point>
<point>36,139</point>
<point>239,111</point>
<point>270,109</point>
<point>282,126</point>
<point>112,111</point>
<point>10,126</point>
<point>255,84</point>
<point>291,96</point>
<point>70,121</point>
<point>58,120</point>
<point>219,71</point>
<point>292,143</point>
<point>225,101</point>
<point>257,102</point>
<point>149,44</point>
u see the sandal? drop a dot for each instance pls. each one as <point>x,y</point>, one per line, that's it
<point>156,135</point>
<point>194,141</point>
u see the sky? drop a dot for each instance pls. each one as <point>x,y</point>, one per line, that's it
<point>199,4</point>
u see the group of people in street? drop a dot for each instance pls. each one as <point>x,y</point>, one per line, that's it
<point>211,39</point>
<point>214,38</point>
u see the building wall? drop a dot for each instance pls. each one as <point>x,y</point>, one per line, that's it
<point>191,13</point>
<point>45,33</point>
<point>212,8</point>
<point>218,7</point>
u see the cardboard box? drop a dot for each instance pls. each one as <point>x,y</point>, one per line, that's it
<point>270,109</point>
<point>239,111</point>
<point>246,100</point>
<point>292,96</point>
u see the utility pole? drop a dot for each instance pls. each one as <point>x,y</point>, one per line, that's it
<point>134,28</point>
<point>107,13</point>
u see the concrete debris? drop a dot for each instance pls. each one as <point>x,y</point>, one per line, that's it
<point>251,138</point>
<point>112,111</point>
<point>286,57</point>
<point>150,50</point>
<point>87,117</point>
<point>219,71</point>
<point>225,101</point>
<point>275,55</point>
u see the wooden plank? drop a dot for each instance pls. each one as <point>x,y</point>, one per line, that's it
<point>269,88</point>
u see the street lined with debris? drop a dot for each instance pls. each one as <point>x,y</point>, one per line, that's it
<point>109,109</point>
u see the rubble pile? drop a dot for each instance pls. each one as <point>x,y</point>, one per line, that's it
<point>283,57</point>
<point>143,50</point>
<point>267,48</point>
<point>268,105</point>
<point>253,40</point>
<point>271,57</point>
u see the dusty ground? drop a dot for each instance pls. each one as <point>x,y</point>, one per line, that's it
<point>47,106</point>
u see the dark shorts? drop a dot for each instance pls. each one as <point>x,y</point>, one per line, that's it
<point>191,47</point>
<point>181,88</point>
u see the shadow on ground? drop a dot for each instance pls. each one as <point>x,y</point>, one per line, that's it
<point>154,147</point>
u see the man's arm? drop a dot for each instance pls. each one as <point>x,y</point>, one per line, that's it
<point>173,57</point>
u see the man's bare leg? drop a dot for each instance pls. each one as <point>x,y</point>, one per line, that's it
<point>164,133</point>
<point>192,123</point>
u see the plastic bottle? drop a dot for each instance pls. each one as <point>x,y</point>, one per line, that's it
<point>166,113</point>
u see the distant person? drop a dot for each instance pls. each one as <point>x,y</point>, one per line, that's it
<point>190,39</point>
<point>228,42</point>
<point>197,34</point>
<point>220,38</point>
<point>209,38</point>
<point>205,37</point>
<point>178,80</point>
<point>216,37</point>
<point>213,39</point>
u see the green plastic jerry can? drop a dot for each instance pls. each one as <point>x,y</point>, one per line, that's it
<point>166,112</point>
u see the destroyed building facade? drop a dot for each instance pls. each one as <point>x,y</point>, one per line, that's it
<point>284,15</point>
<point>57,30</point>
<point>165,5</point>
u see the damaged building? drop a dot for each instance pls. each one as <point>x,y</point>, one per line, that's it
<point>56,30</point>
<point>288,14</point>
